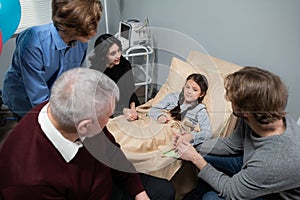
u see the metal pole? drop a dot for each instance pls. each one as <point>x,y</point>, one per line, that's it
<point>106,18</point>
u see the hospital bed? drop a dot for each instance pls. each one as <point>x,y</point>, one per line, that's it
<point>144,141</point>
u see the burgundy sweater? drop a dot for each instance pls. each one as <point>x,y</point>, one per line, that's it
<point>32,168</point>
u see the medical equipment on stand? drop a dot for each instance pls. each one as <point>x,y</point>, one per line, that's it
<point>133,32</point>
<point>143,78</point>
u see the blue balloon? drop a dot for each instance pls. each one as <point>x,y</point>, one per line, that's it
<point>0,41</point>
<point>10,15</point>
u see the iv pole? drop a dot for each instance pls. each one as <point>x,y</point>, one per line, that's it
<point>106,19</point>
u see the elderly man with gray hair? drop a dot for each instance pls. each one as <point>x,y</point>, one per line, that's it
<point>44,156</point>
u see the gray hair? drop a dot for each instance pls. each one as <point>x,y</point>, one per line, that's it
<point>80,94</point>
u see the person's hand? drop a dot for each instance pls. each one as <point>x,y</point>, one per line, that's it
<point>184,136</point>
<point>130,113</point>
<point>142,196</point>
<point>187,152</point>
<point>163,119</point>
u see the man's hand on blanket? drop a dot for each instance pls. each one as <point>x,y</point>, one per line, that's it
<point>187,152</point>
<point>130,113</point>
<point>180,137</point>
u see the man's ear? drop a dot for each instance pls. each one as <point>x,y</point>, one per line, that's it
<point>84,127</point>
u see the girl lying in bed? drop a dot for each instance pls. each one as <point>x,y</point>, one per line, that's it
<point>149,144</point>
<point>187,108</point>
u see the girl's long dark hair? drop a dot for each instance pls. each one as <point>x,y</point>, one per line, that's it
<point>203,84</point>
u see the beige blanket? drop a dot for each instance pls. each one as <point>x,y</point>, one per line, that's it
<point>144,141</point>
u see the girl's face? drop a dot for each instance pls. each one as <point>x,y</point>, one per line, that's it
<point>113,56</point>
<point>192,91</point>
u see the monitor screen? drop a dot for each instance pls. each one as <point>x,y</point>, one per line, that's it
<point>124,30</point>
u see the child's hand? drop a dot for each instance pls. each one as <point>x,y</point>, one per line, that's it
<point>130,114</point>
<point>162,119</point>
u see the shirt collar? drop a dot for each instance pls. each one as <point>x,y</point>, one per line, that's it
<point>66,148</point>
<point>59,42</point>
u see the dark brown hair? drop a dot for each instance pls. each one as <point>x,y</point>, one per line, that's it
<point>76,17</point>
<point>259,92</point>
<point>101,48</point>
<point>203,84</point>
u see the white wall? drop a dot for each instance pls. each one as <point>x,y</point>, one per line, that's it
<point>249,32</point>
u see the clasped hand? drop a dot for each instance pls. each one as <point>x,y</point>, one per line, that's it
<point>184,148</point>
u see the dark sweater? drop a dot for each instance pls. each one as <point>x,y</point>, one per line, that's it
<point>32,168</point>
<point>122,75</point>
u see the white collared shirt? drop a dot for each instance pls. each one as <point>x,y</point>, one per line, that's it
<point>66,148</point>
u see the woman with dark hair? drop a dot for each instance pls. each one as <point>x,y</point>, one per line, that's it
<point>187,107</point>
<point>108,59</point>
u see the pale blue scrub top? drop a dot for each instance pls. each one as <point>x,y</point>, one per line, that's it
<point>40,57</point>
